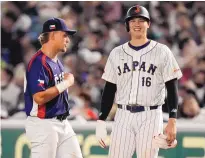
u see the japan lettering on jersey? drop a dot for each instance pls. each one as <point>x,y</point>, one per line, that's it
<point>140,75</point>
<point>43,73</point>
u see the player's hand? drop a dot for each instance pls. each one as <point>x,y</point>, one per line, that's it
<point>171,130</point>
<point>69,78</point>
<point>101,132</point>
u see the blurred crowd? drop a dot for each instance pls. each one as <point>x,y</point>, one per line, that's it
<point>100,25</point>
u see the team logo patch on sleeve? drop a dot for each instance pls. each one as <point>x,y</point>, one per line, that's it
<point>174,110</point>
<point>41,83</point>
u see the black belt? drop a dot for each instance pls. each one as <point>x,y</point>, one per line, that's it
<point>62,116</point>
<point>134,109</point>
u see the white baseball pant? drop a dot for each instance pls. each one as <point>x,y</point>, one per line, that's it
<point>51,138</point>
<point>134,132</point>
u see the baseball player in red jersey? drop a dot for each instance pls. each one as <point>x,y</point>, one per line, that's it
<point>136,75</point>
<point>46,96</point>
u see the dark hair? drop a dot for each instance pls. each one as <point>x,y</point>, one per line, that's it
<point>11,15</point>
<point>85,96</point>
<point>182,42</point>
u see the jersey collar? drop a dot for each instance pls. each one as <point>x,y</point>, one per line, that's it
<point>146,49</point>
<point>139,47</point>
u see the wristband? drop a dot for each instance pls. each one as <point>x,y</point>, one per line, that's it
<point>62,86</point>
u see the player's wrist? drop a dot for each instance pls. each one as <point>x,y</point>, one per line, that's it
<point>172,120</point>
<point>62,86</point>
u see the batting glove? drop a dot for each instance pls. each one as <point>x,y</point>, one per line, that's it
<point>160,142</point>
<point>101,132</point>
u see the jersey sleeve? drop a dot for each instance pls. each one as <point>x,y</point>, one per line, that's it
<point>170,67</point>
<point>109,70</point>
<point>37,77</point>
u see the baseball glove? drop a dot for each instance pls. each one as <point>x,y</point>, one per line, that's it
<point>161,142</point>
<point>101,133</point>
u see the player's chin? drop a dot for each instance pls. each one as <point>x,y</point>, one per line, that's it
<point>63,50</point>
<point>136,33</point>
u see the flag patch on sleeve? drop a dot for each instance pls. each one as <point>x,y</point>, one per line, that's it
<point>41,83</point>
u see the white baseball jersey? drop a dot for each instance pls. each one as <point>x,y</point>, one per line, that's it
<point>140,76</point>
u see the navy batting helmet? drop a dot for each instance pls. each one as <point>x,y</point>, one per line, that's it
<point>136,11</point>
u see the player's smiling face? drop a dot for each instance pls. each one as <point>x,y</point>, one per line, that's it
<point>62,41</point>
<point>138,27</point>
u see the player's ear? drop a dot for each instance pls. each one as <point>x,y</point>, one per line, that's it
<point>149,23</point>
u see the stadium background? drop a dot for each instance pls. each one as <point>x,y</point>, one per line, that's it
<point>100,25</point>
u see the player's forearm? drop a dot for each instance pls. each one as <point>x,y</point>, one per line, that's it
<point>172,97</point>
<point>45,96</point>
<point>107,100</point>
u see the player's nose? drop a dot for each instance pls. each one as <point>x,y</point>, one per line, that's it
<point>137,24</point>
<point>67,40</point>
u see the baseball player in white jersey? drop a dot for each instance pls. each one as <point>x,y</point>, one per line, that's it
<point>136,75</point>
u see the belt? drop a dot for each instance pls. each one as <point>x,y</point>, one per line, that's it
<point>62,116</point>
<point>134,109</point>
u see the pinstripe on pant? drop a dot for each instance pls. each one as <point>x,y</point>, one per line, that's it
<point>134,132</point>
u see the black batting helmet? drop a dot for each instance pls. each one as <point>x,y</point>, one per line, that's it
<point>136,11</point>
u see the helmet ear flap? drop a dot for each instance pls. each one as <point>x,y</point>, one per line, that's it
<point>127,26</point>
